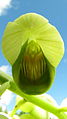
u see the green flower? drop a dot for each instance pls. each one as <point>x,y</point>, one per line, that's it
<point>34,48</point>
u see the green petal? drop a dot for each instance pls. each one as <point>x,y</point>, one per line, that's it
<point>17,32</point>
<point>13,40</point>
<point>35,27</point>
<point>52,44</point>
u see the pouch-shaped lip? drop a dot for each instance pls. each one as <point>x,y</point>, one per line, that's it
<point>27,86</point>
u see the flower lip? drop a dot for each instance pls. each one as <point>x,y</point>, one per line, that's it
<point>39,79</point>
<point>33,64</point>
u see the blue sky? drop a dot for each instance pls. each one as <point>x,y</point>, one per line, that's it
<point>55,11</point>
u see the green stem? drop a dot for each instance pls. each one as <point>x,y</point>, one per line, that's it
<point>4,77</point>
<point>63,109</point>
<point>33,99</point>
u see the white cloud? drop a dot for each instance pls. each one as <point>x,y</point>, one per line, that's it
<point>64,103</point>
<point>6,97</point>
<point>4,5</point>
<point>6,69</point>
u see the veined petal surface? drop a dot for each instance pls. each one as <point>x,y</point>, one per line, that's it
<point>32,26</point>
<point>51,44</point>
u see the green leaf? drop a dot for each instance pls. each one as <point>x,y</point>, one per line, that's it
<point>35,27</point>
<point>3,87</point>
<point>3,116</point>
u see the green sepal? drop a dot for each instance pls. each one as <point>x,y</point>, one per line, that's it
<point>35,27</point>
<point>13,40</point>
<point>51,44</point>
<point>17,33</point>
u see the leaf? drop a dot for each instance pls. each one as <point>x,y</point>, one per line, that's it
<point>3,116</point>
<point>3,87</point>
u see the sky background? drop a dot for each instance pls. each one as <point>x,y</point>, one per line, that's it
<point>56,12</point>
